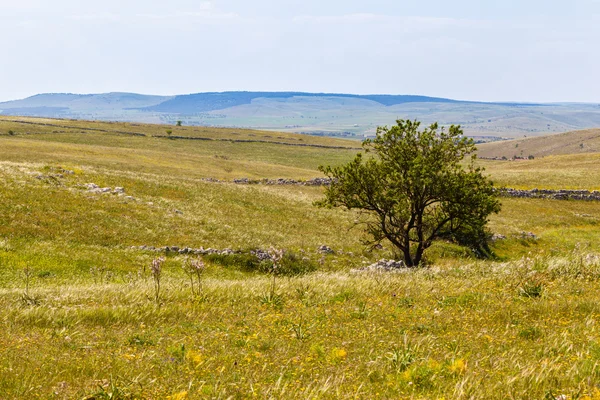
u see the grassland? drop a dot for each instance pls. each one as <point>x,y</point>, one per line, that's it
<point>521,326</point>
<point>575,142</point>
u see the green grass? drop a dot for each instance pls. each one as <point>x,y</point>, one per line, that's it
<point>520,326</point>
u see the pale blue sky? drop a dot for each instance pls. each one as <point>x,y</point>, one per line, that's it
<point>528,50</point>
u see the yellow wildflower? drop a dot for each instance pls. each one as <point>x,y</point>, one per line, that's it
<point>458,366</point>
<point>178,396</point>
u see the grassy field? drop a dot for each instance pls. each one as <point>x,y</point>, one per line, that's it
<point>576,142</point>
<point>79,315</point>
<point>569,171</point>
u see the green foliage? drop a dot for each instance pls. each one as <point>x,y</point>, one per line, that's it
<point>531,289</point>
<point>290,265</point>
<point>402,357</point>
<point>530,333</point>
<point>243,261</point>
<point>414,189</point>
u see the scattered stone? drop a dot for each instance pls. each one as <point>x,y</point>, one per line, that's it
<point>179,212</point>
<point>93,188</point>
<point>261,255</point>
<point>119,190</point>
<point>497,236</point>
<point>528,235</point>
<point>323,249</point>
<point>384,265</point>
<point>212,180</point>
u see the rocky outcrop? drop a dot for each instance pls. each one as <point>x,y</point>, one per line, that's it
<point>384,265</point>
<point>185,250</point>
<point>323,249</point>
<point>93,188</point>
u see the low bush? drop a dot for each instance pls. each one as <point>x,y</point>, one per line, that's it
<point>291,264</point>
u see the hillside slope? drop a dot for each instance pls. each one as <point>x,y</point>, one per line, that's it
<point>575,142</point>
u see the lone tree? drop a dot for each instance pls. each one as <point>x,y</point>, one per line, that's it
<point>415,187</point>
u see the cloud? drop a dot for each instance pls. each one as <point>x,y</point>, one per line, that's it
<point>187,11</point>
<point>205,9</point>
<point>368,18</point>
<point>95,17</point>
<point>202,14</point>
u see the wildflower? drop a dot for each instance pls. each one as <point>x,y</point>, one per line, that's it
<point>276,255</point>
<point>194,269</point>
<point>178,396</point>
<point>156,269</point>
<point>338,355</point>
<point>194,356</point>
<point>458,366</point>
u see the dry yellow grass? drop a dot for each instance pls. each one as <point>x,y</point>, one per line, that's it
<point>577,142</point>
<point>573,171</point>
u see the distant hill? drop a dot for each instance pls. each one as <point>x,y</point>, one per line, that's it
<point>326,114</point>
<point>584,141</point>
<point>203,102</point>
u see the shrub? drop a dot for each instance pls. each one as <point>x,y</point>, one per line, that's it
<point>290,265</point>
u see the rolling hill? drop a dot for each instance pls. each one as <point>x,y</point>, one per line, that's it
<point>325,114</point>
<point>575,142</point>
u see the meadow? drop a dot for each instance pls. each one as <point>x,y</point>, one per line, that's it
<point>80,316</point>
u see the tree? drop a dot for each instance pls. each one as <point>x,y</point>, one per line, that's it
<point>414,187</point>
<point>179,123</point>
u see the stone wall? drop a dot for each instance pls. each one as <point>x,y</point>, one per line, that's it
<point>562,194</point>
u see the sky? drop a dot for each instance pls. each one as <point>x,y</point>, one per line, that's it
<point>487,50</point>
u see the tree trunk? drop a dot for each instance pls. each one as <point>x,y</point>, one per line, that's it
<point>408,257</point>
<point>419,255</point>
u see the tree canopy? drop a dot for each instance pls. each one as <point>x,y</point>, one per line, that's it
<point>415,186</point>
